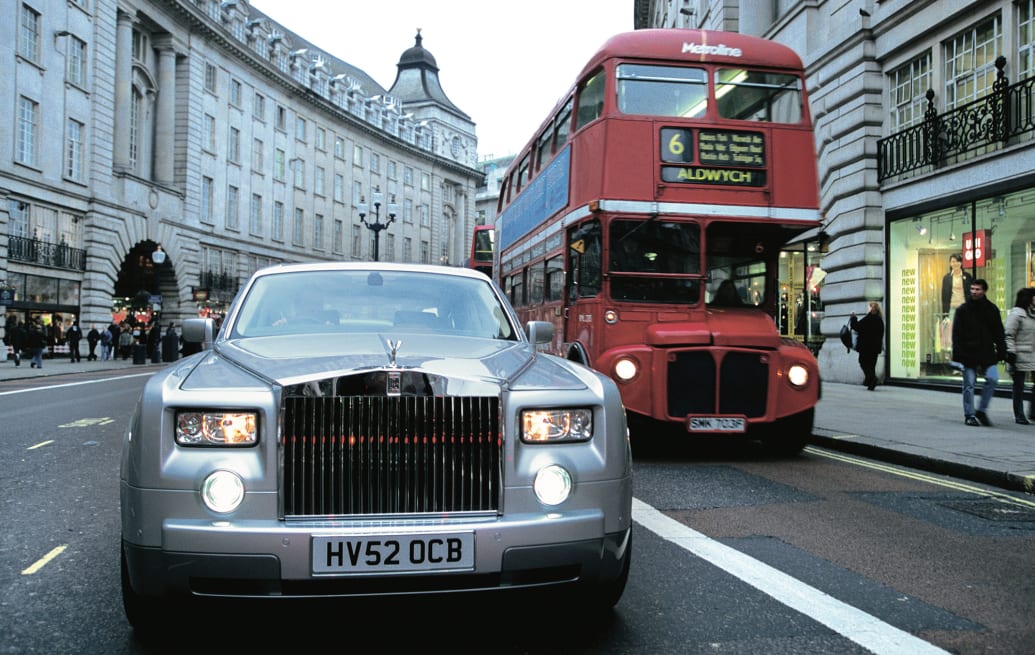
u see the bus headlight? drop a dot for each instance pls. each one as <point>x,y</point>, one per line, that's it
<point>222,491</point>
<point>626,368</point>
<point>552,485</point>
<point>798,375</point>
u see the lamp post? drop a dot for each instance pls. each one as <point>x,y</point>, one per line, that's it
<point>376,226</point>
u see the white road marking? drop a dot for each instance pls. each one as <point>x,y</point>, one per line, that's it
<point>75,384</point>
<point>868,631</point>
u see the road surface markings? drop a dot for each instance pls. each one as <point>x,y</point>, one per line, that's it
<point>923,477</point>
<point>75,384</point>
<point>41,444</point>
<point>43,561</point>
<point>864,629</point>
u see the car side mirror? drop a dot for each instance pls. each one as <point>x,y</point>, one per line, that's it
<point>539,331</point>
<point>199,330</point>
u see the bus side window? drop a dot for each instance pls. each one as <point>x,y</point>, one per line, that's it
<point>543,154</point>
<point>535,284</point>
<point>563,127</point>
<point>554,279</point>
<point>522,175</point>
<point>591,101</point>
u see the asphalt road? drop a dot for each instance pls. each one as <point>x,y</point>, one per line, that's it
<point>734,553</point>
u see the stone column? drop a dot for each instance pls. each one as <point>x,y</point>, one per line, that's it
<point>123,88</point>
<point>165,113</point>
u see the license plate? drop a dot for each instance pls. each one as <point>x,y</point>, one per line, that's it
<point>390,553</point>
<point>715,424</point>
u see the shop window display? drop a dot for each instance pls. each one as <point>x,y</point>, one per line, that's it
<point>932,258</point>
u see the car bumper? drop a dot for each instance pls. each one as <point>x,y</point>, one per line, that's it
<point>277,563</point>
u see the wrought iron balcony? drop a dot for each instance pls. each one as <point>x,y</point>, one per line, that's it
<point>44,253</point>
<point>218,281</point>
<point>1005,116</point>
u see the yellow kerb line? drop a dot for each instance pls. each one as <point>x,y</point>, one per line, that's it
<point>43,561</point>
<point>959,486</point>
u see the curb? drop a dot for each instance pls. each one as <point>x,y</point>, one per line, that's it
<point>1001,479</point>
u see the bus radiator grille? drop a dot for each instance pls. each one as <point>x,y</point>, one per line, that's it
<point>738,385</point>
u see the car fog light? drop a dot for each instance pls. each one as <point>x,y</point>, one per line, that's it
<point>552,485</point>
<point>222,491</point>
<point>798,375</point>
<point>626,369</point>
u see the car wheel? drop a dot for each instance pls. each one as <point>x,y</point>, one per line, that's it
<point>788,436</point>
<point>607,594</point>
<point>143,613</point>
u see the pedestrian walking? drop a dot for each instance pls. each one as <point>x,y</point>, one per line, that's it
<point>107,341</point>
<point>978,344</point>
<point>16,335</point>
<point>73,336</point>
<point>1020,350</point>
<point>36,341</point>
<point>154,342</point>
<point>125,342</point>
<point>870,342</point>
<point>92,338</point>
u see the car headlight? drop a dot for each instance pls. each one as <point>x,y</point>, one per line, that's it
<point>552,425</point>
<point>222,491</point>
<point>552,485</point>
<point>798,375</point>
<point>216,428</point>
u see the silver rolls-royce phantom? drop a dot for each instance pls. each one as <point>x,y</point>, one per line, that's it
<point>356,429</point>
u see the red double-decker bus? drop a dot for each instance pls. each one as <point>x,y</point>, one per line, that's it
<point>482,249</point>
<point>645,219</point>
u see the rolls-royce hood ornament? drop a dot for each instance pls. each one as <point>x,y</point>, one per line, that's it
<point>393,350</point>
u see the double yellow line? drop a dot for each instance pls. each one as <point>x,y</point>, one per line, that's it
<point>923,477</point>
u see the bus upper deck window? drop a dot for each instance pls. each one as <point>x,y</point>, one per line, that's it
<point>662,90</point>
<point>591,100</point>
<point>756,96</point>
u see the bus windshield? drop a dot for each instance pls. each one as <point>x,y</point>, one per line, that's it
<point>653,261</point>
<point>662,90</point>
<point>755,96</point>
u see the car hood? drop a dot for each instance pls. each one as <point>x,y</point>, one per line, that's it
<point>297,359</point>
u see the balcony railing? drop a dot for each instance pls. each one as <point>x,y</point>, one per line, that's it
<point>219,281</point>
<point>979,127</point>
<point>44,253</point>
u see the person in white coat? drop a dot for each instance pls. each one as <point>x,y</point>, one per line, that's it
<point>1020,350</point>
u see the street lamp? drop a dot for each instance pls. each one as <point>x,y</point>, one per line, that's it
<point>377,225</point>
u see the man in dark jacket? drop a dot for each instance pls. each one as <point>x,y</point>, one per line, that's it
<point>979,344</point>
<point>92,337</point>
<point>16,337</point>
<point>73,336</point>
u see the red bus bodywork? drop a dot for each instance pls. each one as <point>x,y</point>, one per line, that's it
<point>619,225</point>
<point>482,249</point>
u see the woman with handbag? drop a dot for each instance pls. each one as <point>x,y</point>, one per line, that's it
<point>870,342</point>
<point>1020,349</point>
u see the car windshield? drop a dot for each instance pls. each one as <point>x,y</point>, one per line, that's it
<point>309,302</point>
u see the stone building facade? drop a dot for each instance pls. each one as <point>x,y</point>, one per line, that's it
<point>204,130</point>
<point>924,116</point>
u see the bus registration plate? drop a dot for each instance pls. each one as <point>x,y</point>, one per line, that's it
<point>715,424</point>
<point>390,553</point>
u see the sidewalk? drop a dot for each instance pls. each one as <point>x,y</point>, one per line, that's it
<point>924,429</point>
<point>919,428</point>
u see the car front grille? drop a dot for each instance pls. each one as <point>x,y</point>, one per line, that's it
<point>381,455</point>
<point>739,384</point>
